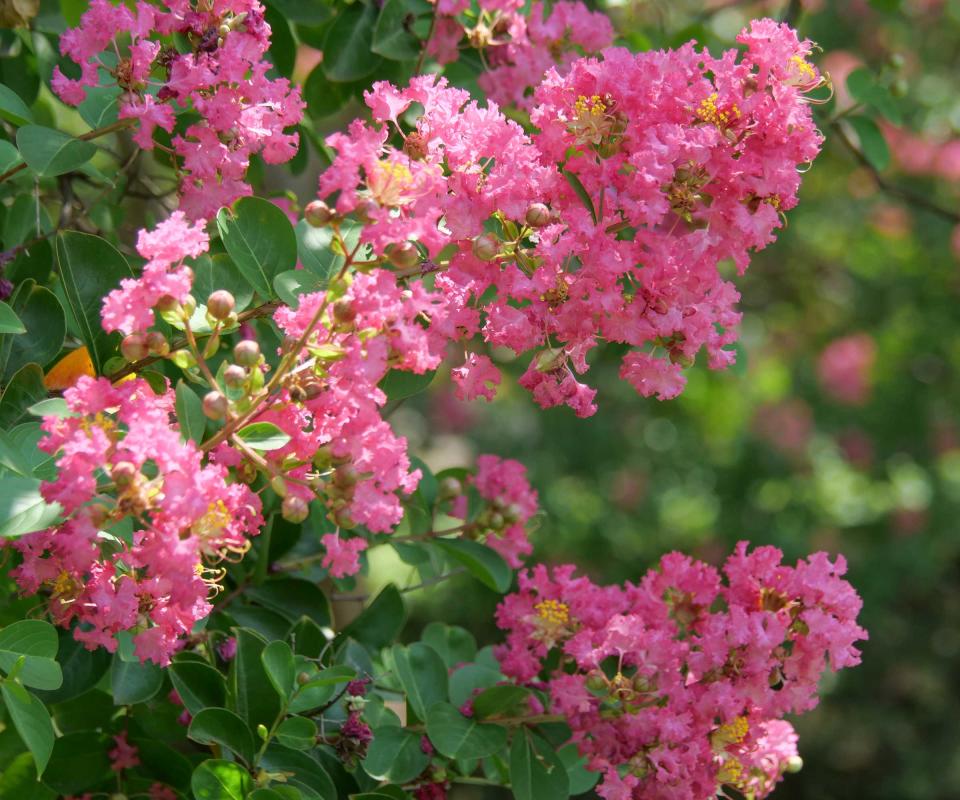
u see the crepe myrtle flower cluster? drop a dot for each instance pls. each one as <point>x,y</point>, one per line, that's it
<point>675,687</point>
<point>219,73</point>
<point>120,461</point>
<point>647,172</point>
<point>609,223</point>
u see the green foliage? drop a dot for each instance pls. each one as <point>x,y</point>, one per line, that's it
<point>260,240</point>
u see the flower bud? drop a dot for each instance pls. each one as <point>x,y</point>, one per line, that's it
<point>247,472</point>
<point>215,405</point>
<point>317,214</point>
<point>794,764</point>
<point>234,376</point>
<point>224,29</point>
<point>537,215</point>
<point>134,347</point>
<point>220,304</point>
<point>279,485</point>
<point>344,312</point>
<point>404,255</point>
<point>366,210</point>
<point>294,509</point>
<point>303,677</point>
<point>312,390</point>
<point>415,146</point>
<point>167,303</point>
<point>345,475</point>
<point>157,344</point>
<point>246,353</point>
<point>189,306</point>
<point>596,681</point>
<point>450,487</point>
<point>486,247</point>
<point>123,473</point>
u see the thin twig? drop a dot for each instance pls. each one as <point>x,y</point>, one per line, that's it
<point>113,127</point>
<point>895,190</point>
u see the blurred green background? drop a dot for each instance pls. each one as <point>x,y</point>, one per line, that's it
<point>863,461</point>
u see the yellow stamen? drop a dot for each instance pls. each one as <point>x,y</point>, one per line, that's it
<point>553,612</point>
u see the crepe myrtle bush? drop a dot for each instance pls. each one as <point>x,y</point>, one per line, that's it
<point>197,450</point>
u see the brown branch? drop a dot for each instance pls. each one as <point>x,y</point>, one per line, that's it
<point>893,189</point>
<point>136,366</point>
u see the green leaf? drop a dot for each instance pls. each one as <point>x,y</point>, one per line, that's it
<point>581,192</point>
<point>872,144</point>
<point>292,598</point>
<point>22,507</point>
<point>199,685</point>
<point>298,733</point>
<point>263,436</point>
<point>536,773</point>
<point>51,407</point>
<point>457,736</point>
<point>455,645</point>
<point>217,271</point>
<point>303,12</point>
<point>9,321</point>
<point>19,779</point>
<point>79,762</point>
<point>81,669</point>
<point>22,391</point>
<point>283,48</point>
<point>34,641</point>
<point>581,779</point>
<point>31,720</point>
<point>395,755</point>
<point>91,268</point>
<point>223,727</point>
<point>132,682</point>
<point>193,422</point>
<point>9,156</point>
<point>307,774</point>
<point>248,681</point>
<point>499,701</point>
<point>277,659</point>
<point>393,36</point>
<point>465,681</point>
<point>277,792</point>
<point>422,674</point>
<point>101,105</point>
<point>215,779</point>
<point>260,240</point>
<point>347,45</point>
<point>293,283</point>
<point>323,98</point>
<point>46,326</point>
<point>380,623</point>
<point>50,152</point>
<point>486,565</point>
<point>863,87</point>
<point>12,458</point>
<point>398,384</point>
<point>12,108</point>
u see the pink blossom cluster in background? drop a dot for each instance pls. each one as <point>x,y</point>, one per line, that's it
<point>223,79</point>
<point>648,171</point>
<point>676,686</point>
<point>154,582</point>
<point>845,367</point>
<point>539,41</point>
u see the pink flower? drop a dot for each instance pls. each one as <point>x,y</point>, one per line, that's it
<point>130,308</point>
<point>343,555</point>
<point>477,377</point>
<point>844,369</point>
<point>124,755</point>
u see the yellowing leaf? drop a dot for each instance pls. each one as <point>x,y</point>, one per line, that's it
<point>69,369</point>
